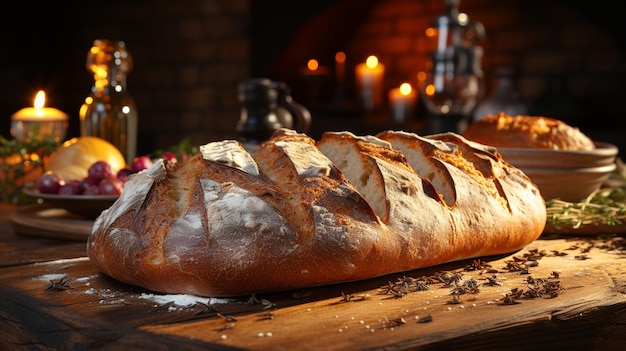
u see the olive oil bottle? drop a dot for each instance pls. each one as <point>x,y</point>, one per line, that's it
<point>109,112</point>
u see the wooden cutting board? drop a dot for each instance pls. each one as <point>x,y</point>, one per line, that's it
<point>49,222</point>
<point>587,313</point>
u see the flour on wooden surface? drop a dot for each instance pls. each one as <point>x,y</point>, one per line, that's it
<point>174,301</point>
<point>183,300</point>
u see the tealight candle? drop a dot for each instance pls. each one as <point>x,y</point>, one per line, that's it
<point>340,75</point>
<point>369,81</point>
<point>314,76</point>
<point>402,101</point>
<point>340,67</point>
<point>39,122</point>
<point>313,69</point>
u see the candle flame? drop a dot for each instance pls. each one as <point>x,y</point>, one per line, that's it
<point>463,19</point>
<point>340,57</point>
<point>40,99</point>
<point>371,62</point>
<point>312,64</point>
<point>405,89</point>
<point>431,32</point>
<point>421,77</point>
<point>430,90</point>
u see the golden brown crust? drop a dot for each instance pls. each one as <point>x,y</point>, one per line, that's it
<point>538,132</point>
<point>306,213</point>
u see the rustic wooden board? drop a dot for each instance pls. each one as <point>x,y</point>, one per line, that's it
<point>49,222</point>
<point>99,311</point>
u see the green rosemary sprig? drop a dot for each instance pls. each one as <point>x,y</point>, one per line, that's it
<point>17,160</point>
<point>606,206</point>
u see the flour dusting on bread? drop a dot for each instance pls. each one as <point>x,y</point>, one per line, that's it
<point>230,153</point>
<point>300,212</point>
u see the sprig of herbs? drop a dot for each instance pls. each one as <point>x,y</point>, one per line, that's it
<point>17,160</point>
<point>183,150</point>
<point>606,206</point>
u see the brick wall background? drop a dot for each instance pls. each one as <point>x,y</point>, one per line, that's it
<point>190,55</point>
<point>569,58</point>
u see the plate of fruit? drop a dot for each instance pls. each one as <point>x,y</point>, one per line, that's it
<point>89,206</point>
<point>86,175</point>
<point>87,196</point>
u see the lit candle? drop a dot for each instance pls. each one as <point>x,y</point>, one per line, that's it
<point>402,101</point>
<point>340,76</point>
<point>39,122</point>
<point>340,67</point>
<point>369,80</point>
<point>314,70</point>
<point>314,75</point>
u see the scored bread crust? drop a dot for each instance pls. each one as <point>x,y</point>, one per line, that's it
<point>302,213</point>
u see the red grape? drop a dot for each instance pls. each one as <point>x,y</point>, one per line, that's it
<point>100,170</point>
<point>140,163</point>
<point>111,186</point>
<point>72,187</point>
<point>87,182</point>
<point>49,183</point>
<point>92,190</point>
<point>124,173</point>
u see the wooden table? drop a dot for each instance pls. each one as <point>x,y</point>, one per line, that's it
<point>558,293</point>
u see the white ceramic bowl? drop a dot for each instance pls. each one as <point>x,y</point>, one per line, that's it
<point>570,175</point>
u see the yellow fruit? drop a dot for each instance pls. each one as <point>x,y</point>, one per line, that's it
<point>73,158</point>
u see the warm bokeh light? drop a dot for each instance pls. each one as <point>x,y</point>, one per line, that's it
<point>431,32</point>
<point>405,89</point>
<point>371,62</point>
<point>312,64</point>
<point>340,57</point>
<point>421,76</point>
<point>430,90</point>
<point>463,19</point>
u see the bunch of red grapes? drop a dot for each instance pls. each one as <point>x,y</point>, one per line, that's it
<point>101,179</point>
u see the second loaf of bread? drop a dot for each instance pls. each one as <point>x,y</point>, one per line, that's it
<point>302,213</point>
<point>527,132</point>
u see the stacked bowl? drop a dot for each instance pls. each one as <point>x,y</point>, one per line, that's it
<point>569,175</point>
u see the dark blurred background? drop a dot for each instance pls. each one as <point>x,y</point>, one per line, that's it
<point>190,55</point>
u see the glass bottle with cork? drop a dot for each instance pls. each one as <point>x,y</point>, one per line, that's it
<point>109,112</point>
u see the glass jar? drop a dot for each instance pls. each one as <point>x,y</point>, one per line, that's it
<point>109,112</point>
<point>504,98</point>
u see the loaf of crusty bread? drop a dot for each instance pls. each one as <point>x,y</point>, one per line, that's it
<point>302,213</point>
<point>538,132</point>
